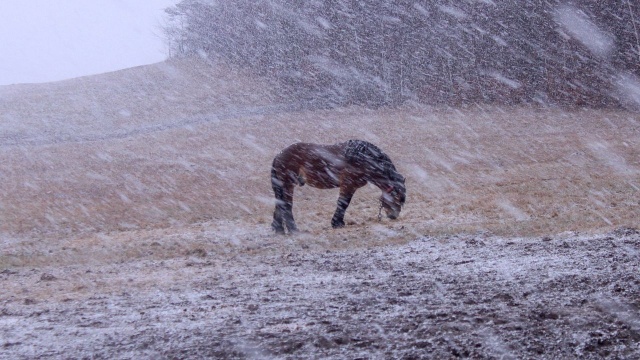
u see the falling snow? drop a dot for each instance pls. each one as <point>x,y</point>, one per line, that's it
<point>135,206</point>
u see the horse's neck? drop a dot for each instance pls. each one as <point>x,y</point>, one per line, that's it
<point>379,180</point>
<point>368,155</point>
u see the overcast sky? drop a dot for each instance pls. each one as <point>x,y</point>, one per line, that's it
<point>49,40</point>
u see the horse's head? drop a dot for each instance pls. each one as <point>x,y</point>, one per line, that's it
<point>393,196</point>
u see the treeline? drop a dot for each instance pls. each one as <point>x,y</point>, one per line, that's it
<point>437,51</point>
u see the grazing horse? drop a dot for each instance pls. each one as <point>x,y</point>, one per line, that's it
<point>349,166</point>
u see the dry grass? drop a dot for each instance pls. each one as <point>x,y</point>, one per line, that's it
<point>84,189</point>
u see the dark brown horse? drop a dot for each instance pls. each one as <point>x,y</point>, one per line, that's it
<point>349,166</point>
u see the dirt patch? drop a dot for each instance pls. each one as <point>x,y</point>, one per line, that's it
<point>564,296</point>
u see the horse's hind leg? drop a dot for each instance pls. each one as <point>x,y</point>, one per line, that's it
<point>278,224</point>
<point>283,213</point>
<point>278,191</point>
<point>287,212</point>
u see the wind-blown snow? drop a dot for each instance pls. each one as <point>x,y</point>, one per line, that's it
<point>628,87</point>
<point>135,224</point>
<point>578,25</point>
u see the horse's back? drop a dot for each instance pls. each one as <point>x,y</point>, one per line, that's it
<point>315,164</point>
<point>305,152</point>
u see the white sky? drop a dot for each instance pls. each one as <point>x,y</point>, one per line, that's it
<point>49,40</point>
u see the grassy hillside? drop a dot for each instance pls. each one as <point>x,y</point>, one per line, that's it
<point>182,142</point>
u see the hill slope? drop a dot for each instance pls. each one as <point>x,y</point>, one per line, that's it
<point>182,142</point>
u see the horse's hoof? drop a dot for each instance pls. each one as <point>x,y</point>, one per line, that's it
<point>337,225</point>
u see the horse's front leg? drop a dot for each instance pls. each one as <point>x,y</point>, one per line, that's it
<point>343,202</point>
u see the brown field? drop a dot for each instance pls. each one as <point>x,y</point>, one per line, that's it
<point>151,169</point>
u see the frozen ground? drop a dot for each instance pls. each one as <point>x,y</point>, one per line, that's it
<point>135,210</point>
<point>563,296</point>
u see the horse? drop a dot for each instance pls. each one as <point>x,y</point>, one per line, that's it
<point>349,166</point>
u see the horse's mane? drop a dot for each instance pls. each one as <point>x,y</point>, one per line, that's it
<point>365,153</point>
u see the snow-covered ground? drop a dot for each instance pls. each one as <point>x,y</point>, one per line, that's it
<point>261,296</point>
<point>135,210</point>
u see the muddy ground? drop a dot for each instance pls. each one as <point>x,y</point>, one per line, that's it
<point>135,211</point>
